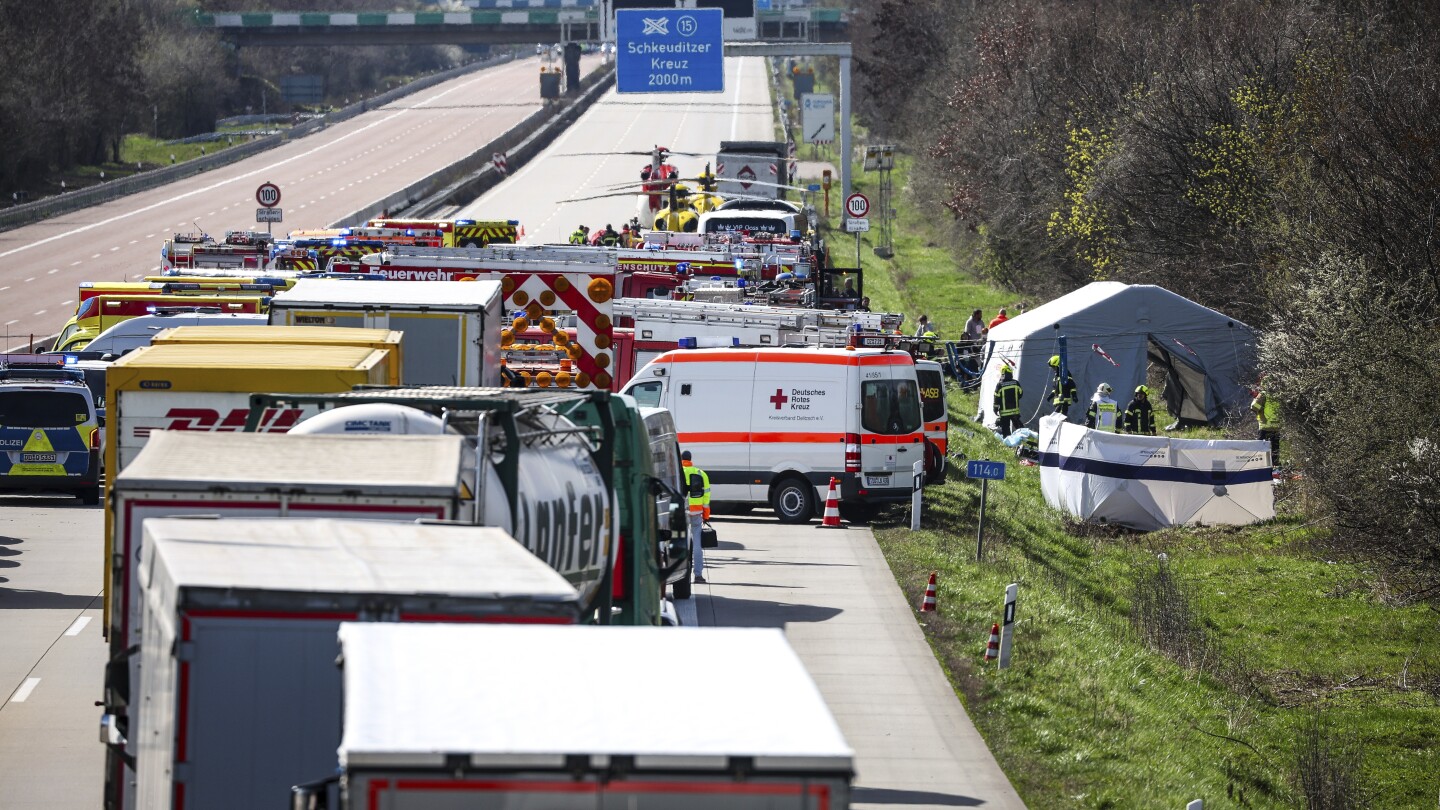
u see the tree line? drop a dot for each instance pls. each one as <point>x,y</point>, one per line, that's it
<point>77,75</point>
<point>1277,160</point>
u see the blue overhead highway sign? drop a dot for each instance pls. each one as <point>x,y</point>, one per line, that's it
<point>669,50</point>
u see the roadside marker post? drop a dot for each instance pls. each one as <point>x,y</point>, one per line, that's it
<point>1198,804</point>
<point>986,470</point>
<point>917,483</point>
<point>1007,625</point>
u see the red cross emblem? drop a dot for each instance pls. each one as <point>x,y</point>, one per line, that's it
<point>779,399</point>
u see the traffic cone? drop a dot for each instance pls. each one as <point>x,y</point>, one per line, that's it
<point>832,509</point>
<point>927,605</point>
<point>992,650</point>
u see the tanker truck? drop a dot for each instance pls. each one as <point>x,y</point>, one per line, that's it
<point>570,474</point>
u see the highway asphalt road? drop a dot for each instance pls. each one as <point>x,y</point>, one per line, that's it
<point>52,657</point>
<point>681,122</point>
<point>322,178</point>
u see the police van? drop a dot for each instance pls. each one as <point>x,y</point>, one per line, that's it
<point>772,426</point>
<point>49,428</point>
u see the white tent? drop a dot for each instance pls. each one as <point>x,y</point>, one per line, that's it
<point>1149,482</point>
<point>1112,333</point>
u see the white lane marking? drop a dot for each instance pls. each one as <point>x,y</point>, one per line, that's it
<point>113,249</point>
<point>96,256</point>
<point>149,236</point>
<point>72,264</point>
<point>134,241</point>
<point>78,626</point>
<point>10,323</point>
<point>3,289</point>
<point>67,303</point>
<point>25,689</point>
<point>42,312</point>
<point>30,279</point>
<point>52,271</point>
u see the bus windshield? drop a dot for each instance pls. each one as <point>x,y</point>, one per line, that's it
<point>890,407</point>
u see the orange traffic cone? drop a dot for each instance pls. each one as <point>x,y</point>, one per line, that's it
<point>927,605</point>
<point>832,509</point>
<point>522,231</point>
<point>992,650</point>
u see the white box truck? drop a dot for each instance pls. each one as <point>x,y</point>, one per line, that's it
<point>240,689</point>
<point>773,426</point>
<point>452,328</point>
<point>432,721</point>
<point>399,478</point>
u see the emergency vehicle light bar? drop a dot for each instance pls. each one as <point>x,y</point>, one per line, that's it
<point>709,342</point>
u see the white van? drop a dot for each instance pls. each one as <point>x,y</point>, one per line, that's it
<point>773,425</point>
<point>132,333</point>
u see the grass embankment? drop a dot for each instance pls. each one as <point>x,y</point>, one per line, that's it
<point>1137,683</point>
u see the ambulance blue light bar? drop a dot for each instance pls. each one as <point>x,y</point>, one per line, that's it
<point>709,342</point>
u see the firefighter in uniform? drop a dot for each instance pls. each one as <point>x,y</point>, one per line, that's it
<point>580,236</point>
<point>609,237</point>
<point>1007,403</point>
<point>1062,392</point>
<point>1102,411</point>
<point>697,488</point>
<point>1139,416</point>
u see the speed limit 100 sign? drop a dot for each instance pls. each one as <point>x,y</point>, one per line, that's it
<point>268,195</point>
<point>857,205</point>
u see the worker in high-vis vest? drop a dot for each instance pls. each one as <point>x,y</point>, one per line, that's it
<point>1101,414</point>
<point>1267,417</point>
<point>1007,402</point>
<point>580,236</point>
<point>697,489</point>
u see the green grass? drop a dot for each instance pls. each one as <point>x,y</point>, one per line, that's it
<point>1089,716</point>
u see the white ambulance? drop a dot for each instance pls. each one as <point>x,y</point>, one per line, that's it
<point>771,426</point>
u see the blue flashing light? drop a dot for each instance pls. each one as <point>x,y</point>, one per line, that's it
<point>71,359</point>
<point>740,283</point>
<point>714,278</point>
<point>687,343</point>
<point>345,231</point>
<point>795,234</point>
<point>515,222</point>
<point>739,265</point>
<point>464,222</point>
<point>409,231</point>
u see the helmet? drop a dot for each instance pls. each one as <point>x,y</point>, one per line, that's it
<point>1142,389</point>
<point>1006,370</point>
<point>685,456</point>
<point>1104,388</point>
<point>1054,361</point>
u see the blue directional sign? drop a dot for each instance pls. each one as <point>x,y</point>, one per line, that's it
<point>993,470</point>
<point>669,50</point>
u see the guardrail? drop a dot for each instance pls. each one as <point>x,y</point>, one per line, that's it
<point>18,215</point>
<point>468,178</point>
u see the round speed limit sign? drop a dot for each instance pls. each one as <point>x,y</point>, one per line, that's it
<point>268,195</point>
<point>857,205</point>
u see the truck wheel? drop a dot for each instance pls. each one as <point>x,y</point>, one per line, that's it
<point>793,500</point>
<point>681,588</point>
<point>90,496</point>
